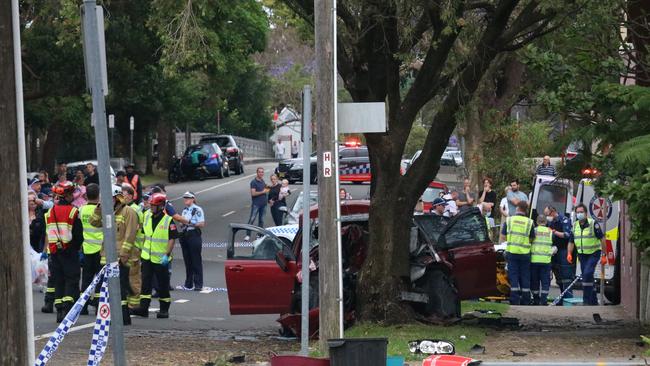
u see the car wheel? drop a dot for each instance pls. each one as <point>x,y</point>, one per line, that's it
<point>286,332</point>
<point>443,296</point>
<point>241,167</point>
<point>226,172</point>
<point>173,177</point>
<point>314,179</point>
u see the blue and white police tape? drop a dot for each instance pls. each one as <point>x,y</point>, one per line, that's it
<point>103,321</point>
<point>67,323</point>
<point>223,244</point>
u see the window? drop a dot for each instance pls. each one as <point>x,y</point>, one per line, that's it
<point>362,152</point>
<point>346,154</point>
<point>432,225</point>
<point>468,229</point>
<point>551,195</point>
<point>259,247</point>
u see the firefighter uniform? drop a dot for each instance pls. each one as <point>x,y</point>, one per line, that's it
<point>135,275</point>
<point>519,231</point>
<point>64,236</point>
<point>587,236</point>
<point>540,264</point>
<point>126,222</point>
<point>92,245</point>
<point>48,306</point>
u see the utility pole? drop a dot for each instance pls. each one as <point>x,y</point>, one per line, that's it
<point>218,121</point>
<point>131,127</point>
<point>111,126</point>
<point>96,83</point>
<point>327,147</point>
<point>16,314</point>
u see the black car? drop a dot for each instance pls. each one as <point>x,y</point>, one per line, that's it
<point>291,169</point>
<point>351,159</point>
<point>229,147</point>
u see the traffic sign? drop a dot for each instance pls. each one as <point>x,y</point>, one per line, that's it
<point>327,164</point>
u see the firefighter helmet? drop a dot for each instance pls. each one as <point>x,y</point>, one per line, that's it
<point>157,199</point>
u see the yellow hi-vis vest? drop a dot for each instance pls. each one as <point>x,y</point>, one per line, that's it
<point>585,239</point>
<point>542,248</point>
<point>155,239</point>
<point>518,234</point>
<point>93,236</point>
<point>139,237</point>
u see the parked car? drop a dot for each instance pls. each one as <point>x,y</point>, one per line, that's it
<point>451,260</point>
<point>211,162</point>
<point>291,169</point>
<point>447,159</point>
<point>81,165</point>
<point>229,148</point>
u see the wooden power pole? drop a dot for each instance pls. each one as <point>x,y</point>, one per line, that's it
<point>327,195</point>
<point>16,347</point>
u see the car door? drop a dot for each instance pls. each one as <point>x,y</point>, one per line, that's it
<point>256,281</point>
<point>466,245</point>
<point>347,164</point>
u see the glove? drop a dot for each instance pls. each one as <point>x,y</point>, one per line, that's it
<point>43,255</point>
<point>569,258</point>
<point>165,260</point>
<point>554,250</point>
<point>603,260</point>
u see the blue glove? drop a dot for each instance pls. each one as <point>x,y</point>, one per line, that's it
<point>81,257</point>
<point>165,260</point>
<point>43,255</point>
<point>170,209</point>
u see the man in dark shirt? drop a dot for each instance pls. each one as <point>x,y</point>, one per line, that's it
<point>91,174</point>
<point>563,271</point>
<point>259,189</point>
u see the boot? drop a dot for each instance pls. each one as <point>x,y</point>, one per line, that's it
<point>60,314</point>
<point>48,307</point>
<point>164,310</point>
<point>142,310</point>
<point>126,317</point>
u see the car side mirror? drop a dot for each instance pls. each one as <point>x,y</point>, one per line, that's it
<point>281,260</point>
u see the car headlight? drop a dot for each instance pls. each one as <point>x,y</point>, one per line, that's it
<point>432,347</point>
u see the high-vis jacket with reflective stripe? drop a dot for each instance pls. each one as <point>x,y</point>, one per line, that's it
<point>155,239</point>
<point>93,236</point>
<point>585,239</point>
<point>542,248</point>
<point>58,226</point>
<point>518,234</point>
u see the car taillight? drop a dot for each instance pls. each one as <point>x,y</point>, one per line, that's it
<point>231,150</point>
<point>214,156</point>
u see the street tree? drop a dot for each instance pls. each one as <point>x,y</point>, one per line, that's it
<point>456,43</point>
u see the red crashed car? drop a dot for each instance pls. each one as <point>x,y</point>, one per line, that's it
<point>451,260</point>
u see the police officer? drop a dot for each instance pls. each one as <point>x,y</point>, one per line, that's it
<point>540,262</point>
<point>64,238</point>
<point>126,228</point>
<point>135,277</point>
<point>519,232</point>
<point>563,271</point>
<point>589,239</point>
<point>191,243</point>
<point>92,245</point>
<point>159,236</point>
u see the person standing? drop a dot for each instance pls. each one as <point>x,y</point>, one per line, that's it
<point>451,209</point>
<point>92,245</point>
<point>438,207</point>
<point>275,201</point>
<point>135,278</point>
<point>126,227</point>
<point>79,190</point>
<point>465,199</point>
<point>487,197</point>
<point>294,149</point>
<point>540,262</point>
<point>191,242</point>
<point>563,271</point>
<point>134,180</point>
<point>504,206</point>
<point>46,186</point>
<point>160,234</point>
<point>519,232</point>
<point>259,190</point>
<point>64,237</point>
<point>515,196</point>
<point>279,150</point>
<point>546,168</point>
<point>589,239</point>
<point>36,223</point>
<point>91,174</point>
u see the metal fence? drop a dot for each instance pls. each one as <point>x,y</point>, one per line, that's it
<point>253,149</point>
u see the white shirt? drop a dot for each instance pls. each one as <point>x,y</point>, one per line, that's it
<point>504,205</point>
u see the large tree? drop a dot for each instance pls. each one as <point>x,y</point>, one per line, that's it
<point>456,43</point>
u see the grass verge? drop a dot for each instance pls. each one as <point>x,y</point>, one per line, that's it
<point>158,177</point>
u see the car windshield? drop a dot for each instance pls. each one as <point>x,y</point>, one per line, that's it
<point>432,225</point>
<point>222,141</point>
<point>468,228</point>
<point>297,206</point>
<point>552,195</point>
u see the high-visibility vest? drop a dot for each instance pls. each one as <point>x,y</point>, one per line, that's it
<point>134,183</point>
<point>139,237</point>
<point>518,234</point>
<point>155,239</point>
<point>585,239</point>
<point>58,223</point>
<point>542,249</point>
<point>93,236</point>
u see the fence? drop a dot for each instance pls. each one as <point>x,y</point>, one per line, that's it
<point>253,149</point>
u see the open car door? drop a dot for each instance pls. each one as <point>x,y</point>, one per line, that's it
<point>465,243</point>
<point>260,274</point>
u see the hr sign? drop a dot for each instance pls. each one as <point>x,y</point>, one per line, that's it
<point>327,164</point>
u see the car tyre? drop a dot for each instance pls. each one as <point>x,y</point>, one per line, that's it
<point>443,296</point>
<point>226,172</point>
<point>314,178</point>
<point>241,168</point>
<point>172,176</point>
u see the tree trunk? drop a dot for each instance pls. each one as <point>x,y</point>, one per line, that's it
<point>164,151</point>
<point>148,150</point>
<point>14,347</point>
<point>50,146</point>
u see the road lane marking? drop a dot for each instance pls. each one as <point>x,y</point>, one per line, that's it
<point>217,186</point>
<point>73,329</point>
<point>228,213</point>
<point>181,301</point>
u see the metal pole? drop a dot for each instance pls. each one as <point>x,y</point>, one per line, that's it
<point>111,125</point>
<point>602,266</point>
<point>218,121</point>
<point>91,41</point>
<point>131,127</point>
<point>306,229</point>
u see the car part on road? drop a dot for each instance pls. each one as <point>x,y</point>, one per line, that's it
<point>477,349</point>
<point>432,347</point>
<point>559,298</point>
<point>443,296</point>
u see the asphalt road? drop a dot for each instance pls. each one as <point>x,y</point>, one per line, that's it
<point>224,201</point>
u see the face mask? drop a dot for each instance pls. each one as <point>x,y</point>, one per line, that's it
<point>488,214</point>
<point>549,218</point>
<point>580,216</point>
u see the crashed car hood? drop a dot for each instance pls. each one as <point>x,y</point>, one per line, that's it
<point>450,222</point>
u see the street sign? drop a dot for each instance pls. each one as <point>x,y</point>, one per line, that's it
<point>362,117</point>
<point>111,121</point>
<point>131,123</point>
<point>327,164</point>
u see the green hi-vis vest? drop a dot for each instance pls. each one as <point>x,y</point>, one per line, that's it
<point>585,240</point>
<point>93,236</point>
<point>518,234</point>
<point>155,239</point>
<point>542,248</point>
<point>139,237</point>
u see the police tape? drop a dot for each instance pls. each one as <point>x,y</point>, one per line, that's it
<point>67,323</point>
<point>103,321</point>
<point>223,244</point>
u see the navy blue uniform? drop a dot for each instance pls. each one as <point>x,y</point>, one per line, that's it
<point>563,271</point>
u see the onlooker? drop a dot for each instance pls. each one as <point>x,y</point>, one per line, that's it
<point>91,174</point>
<point>515,195</point>
<point>46,186</point>
<point>546,168</point>
<point>465,199</point>
<point>344,195</point>
<point>451,209</point>
<point>279,150</point>
<point>42,200</point>
<point>259,190</point>
<point>63,169</point>
<point>120,178</point>
<point>503,205</point>
<point>284,190</point>
<point>36,223</point>
<point>275,201</point>
<point>79,190</point>
<point>62,178</point>
<point>134,180</point>
<point>294,149</point>
<point>487,197</point>
<point>191,243</point>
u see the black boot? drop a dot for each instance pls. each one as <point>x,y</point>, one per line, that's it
<point>48,307</point>
<point>164,310</point>
<point>60,314</point>
<point>143,309</point>
<point>126,317</point>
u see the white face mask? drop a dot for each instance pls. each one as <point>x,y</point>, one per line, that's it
<point>580,216</point>
<point>549,218</point>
